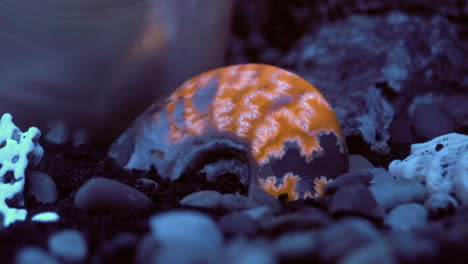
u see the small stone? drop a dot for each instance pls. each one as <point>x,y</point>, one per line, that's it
<point>68,245</point>
<point>46,217</point>
<point>358,162</point>
<point>407,217</point>
<point>146,249</point>
<point>356,177</point>
<point>241,251</point>
<point>57,134</point>
<point>440,204</point>
<point>204,199</point>
<point>295,245</point>
<point>119,249</point>
<point>41,186</point>
<point>355,199</point>
<point>395,192</point>
<point>105,194</point>
<point>258,197</point>
<point>344,236</point>
<point>425,115</point>
<point>237,224</point>
<point>306,218</point>
<point>233,202</point>
<point>34,255</point>
<point>187,253</point>
<point>259,213</point>
<point>411,248</point>
<point>379,252</point>
<point>80,137</point>
<point>194,228</point>
<point>146,183</point>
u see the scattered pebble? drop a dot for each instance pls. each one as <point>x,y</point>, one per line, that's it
<point>41,186</point>
<point>58,133</point>
<point>119,249</point>
<point>306,218</point>
<point>440,204</point>
<point>258,197</point>
<point>259,213</point>
<point>34,255</point>
<point>105,194</point>
<point>395,192</point>
<point>233,202</point>
<point>46,217</point>
<point>407,217</point>
<point>411,248</point>
<point>356,177</point>
<point>237,224</point>
<point>68,245</point>
<point>379,252</point>
<point>241,251</point>
<point>295,245</point>
<point>204,199</point>
<point>358,162</point>
<point>355,199</point>
<point>190,227</point>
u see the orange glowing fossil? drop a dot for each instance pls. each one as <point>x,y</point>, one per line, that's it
<point>260,122</point>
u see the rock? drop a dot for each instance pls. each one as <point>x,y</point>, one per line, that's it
<point>259,213</point>
<point>234,202</point>
<point>241,251</point>
<point>438,163</point>
<point>46,217</point>
<point>395,192</point>
<point>41,186</point>
<point>258,197</point>
<point>440,204</point>
<point>425,115</point>
<point>57,133</point>
<point>295,245</point>
<point>381,175</point>
<point>146,249</point>
<point>34,255</point>
<point>204,199</point>
<point>355,199</point>
<point>119,249</point>
<point>68,245</point>
<point>407,217</point>
<point>237,224</point>
<point>357,162</point>
<point>379,252</point>
<point>187,253</point>
<point>345,236</point>
<point>304,219</point>
<point>147,183</point>
<point>412,248</point>
<point>105,194</point>
<point>189,227</point>
<point>363,176</point>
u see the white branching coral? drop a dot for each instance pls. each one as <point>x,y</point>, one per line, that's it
<point>17,149</point>
<point>440,163</point>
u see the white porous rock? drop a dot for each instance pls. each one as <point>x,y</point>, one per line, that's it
<point>17,149</point>
<point>441,163</point>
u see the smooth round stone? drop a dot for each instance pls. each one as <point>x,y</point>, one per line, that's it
<point>119,249</point>
<point>46,217</point>
<point>243,251</point>
<point>57,134</point>
<point>146,249</point>
<point>295,245</point>
<point>391,193</point>
<point>440,204</point>
<point>182,226</point>
<point>350,178</point>
<point>306,218</point>
<point>186,253</point>
<point>258,197</point>
<point>233,202</point>
<point>259,213</point>
<point>204,199</point>
<point>429,121</point>
<point>69,245</point>
<point>41,186</point>
<point>411,248</point>
<point>358,162</point>
<point>379,252</point>
<point>355,199</point>
<point>34,255</point>
<point>101,193</point>
<point>237,224</point>
<point>407,217</point>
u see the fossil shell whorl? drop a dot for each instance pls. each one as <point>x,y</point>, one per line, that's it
<point>260,122</point>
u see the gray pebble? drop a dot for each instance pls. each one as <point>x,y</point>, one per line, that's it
<point>358,162</point>
<point>241,251</point>
<point>411,248</point>
<point>233,202</point>
<point>146,249</point>
<point>204,199</point>
<point>41,186</point>
<point>101,193</point>
<point>187,253</point>
<point>58,133</point>
<point>68,245</point>
<point>295,245</point>
<point>355,177</point>
<point>237,224</point>
<point>345,236</point>
<point>395,192</point>
<point>258,197</point>
<point>146,183</point>
<point>440,204</point>
<point>379,252</point>
<point>426,115</point>
<point>34,255</point>
<point>355,199</point>
<point>183,226</point>
<point>260,213</point>
<point>304,219</point>
<point>407,217</point>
